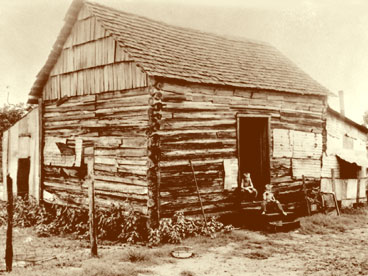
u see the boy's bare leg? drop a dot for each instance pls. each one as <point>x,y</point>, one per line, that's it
<point>280,208</point>
<point>264,207</point>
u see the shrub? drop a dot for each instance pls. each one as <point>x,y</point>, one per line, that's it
<point>177,228</point>
<point>115,223</point>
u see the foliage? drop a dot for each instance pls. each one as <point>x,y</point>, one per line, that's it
<point>177,228</point>
<point>331,223</point>
<point>365,118</point>
<point>10,114</point>
<point>115,223</point>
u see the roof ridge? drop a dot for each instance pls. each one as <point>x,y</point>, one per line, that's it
<point>175,52</point>
<point>201,32</point>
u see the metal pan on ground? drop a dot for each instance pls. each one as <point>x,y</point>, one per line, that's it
<point>182,252</point>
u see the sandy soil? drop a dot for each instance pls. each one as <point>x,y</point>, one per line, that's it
<point>241,252</point>
<point>289,254</point>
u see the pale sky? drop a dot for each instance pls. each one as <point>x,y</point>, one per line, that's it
<point>327,39</point>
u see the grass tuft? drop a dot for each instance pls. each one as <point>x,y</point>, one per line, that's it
<point>138,255</point>
<point>259,254</point>
<point>106,268</point>
<point>331,223</point>
<point>187,273</point>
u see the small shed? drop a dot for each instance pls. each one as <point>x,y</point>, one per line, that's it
<point>345,160</point>
<point>21,156</point>
<point>144,97</point>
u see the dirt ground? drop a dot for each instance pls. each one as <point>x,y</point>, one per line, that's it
<point>277,254</point>
<point>335,250</point>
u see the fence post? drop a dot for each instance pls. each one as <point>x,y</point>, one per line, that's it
<point>306,196</point>
<point>333,181</point>
<point>91,213</point>
<point>9,232</point>
<point>358,191</point>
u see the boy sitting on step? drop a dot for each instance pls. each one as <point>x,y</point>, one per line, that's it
<point>247,186</point>
<point>269,199</point>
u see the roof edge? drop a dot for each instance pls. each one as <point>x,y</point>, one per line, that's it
<point>43,75</point>
<point>347,120</point>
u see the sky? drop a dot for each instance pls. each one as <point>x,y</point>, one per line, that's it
<point>327,39</point>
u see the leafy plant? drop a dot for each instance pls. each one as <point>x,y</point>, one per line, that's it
<point>179,227</point>
<point>115,223</point>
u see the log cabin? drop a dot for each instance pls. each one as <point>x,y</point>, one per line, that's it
<point>144,97</point>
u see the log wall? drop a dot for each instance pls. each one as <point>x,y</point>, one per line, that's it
<point>199,123</point>
<point>95,101</point>
<point>114,124</point>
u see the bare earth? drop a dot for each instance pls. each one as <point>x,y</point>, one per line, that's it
<point>241,252</point>
<point>288,254</point>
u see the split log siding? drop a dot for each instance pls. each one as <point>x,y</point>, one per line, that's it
<point>91,62</point>
<point>199,123</point>
<point>115,123</point>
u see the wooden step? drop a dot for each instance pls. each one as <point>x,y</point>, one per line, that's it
<point>276,214</point>
<point>283,226</point>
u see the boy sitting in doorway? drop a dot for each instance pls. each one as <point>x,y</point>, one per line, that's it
<point>247,187</point>
<point>269,199</point>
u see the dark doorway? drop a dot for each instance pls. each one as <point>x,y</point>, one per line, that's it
<point>23,176</point>
<point>253,149</point>
<point>348,170</point>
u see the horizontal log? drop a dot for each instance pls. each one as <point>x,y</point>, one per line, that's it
<point>195,107</point>
<point>138,170</point>
<point>121,152</point>
<point>124,180</point>
<point>71,114</point>
<point>108,142</point>
<point>196,163</point>
<point>172,136</point>
<point>63,186</point>
<point>195,124</point>
<point>122,110</point>
<point>192,154</point>
<point>106,167</point>
<point>112,95</point>
<point>88,106</point>
<point>200,115</point>
<point>133,100</point>
<point>188,190</point>
<point>103,185</point>
<point>199,144</point>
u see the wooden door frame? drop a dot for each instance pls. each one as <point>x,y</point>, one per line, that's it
<point>268,118</point>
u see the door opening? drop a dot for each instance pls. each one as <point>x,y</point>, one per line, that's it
<point>253,149</point>
<point>23,176</point>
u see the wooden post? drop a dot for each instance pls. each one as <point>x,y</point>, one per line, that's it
<point>199,195</point>
<point>358,192</point>
<point>40,149</point>
<point>306,197</point>
<point>91,200</point>
<point>154,154</point>
<point>333,181</point>
<point>334,191</point>
<point>9,232</point>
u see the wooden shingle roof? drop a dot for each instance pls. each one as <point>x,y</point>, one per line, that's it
<point>173,52</point>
